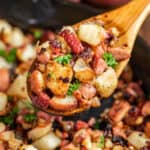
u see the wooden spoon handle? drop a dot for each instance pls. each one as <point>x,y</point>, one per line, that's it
<point>124,17</point>
<point>131,15</point>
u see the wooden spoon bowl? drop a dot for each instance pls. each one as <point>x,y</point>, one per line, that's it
<point>128,20</point>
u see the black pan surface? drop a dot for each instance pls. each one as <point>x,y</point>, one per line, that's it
<point>55,13</point>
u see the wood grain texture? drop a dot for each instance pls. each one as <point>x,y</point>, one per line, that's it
<point>128,19</point>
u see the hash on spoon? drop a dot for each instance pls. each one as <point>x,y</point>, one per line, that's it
<point>81,65</point>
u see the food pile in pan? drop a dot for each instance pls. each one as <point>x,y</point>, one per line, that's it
<point>124,126</point>
<point>76,68</point>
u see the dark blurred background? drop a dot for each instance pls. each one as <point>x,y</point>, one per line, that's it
<point>53,13</point>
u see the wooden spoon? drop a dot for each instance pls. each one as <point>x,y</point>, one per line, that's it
<point>128,20</point>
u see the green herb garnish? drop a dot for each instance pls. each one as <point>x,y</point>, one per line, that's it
<point>10,56</point>
<point>97,124</point>
<point>110,60</point>
<point>64,59</point>
<point>73,86</point>
<point>101,143</point>
<point>2,53</point>
<point>29,117</point>
<point>37,34</point>
<point>10,118</point>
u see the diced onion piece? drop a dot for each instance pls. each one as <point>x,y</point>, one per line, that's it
<point>7,135</point>
<point>106,82</point>
<point>39,131</point>
<point>3,101</point>
<point>16,38</point>
<point>5,27</point>
<point>27,147</point>
<point>47,142</point>
<point>27,53</point>
<point>2,127</point>
<point>138,139</point>
<point>80,65</point>
<point>19,87</point>
<point>118,147</point>
<point>5,64</point>
<point>90,33</point>
<point>2,45</point>
<point>87,143</point>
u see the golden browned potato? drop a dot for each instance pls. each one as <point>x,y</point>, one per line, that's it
<point>106,82</point>
<point>26,53</point>
<point>19,87</point>
<point>39,131</point>
<point>47,142</point>
<point>137,139</point>
<point>58,78</point>
<point>65,103</point>
<point>82,71</point>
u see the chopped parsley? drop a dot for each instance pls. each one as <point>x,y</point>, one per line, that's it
<point>97,124</point>
<point>110,60</point>
<point>29,117</point>
<point>101,143</point>
<point>65,59</point>
<point>73,86</point>
<point>10,118</point>
<point>37,34</point>
<point>9,56</point>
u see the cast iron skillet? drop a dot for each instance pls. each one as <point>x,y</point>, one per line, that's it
<point>54,14</point>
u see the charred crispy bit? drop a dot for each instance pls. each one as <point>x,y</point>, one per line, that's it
<point>55,45</point>
<point>64,46</point>
<point>119,53</point>
<point>62,104</point>
<point>58,78</point>
<point>37,81</point>
<point>133,114</point>
<point>4,79</point>
<point>119,111</point>
<point>87,54</point>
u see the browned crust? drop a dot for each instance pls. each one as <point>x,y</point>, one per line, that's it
<point>50,110</point>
